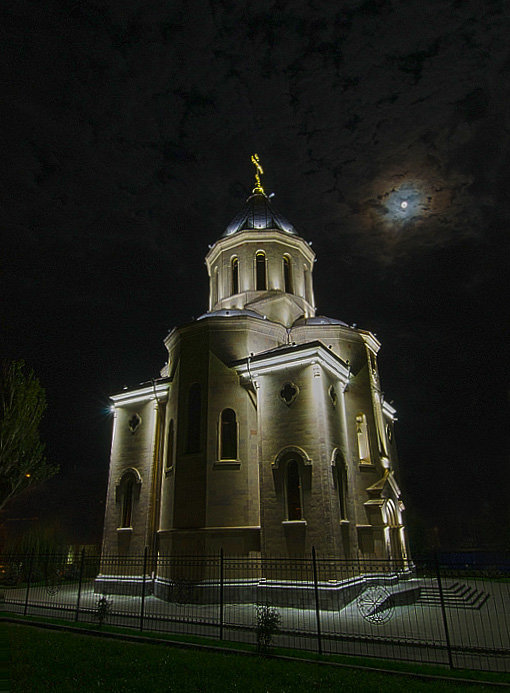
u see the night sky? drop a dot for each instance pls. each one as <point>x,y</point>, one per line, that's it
<point>127,130</point>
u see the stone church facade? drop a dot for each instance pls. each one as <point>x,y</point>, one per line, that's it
<point>267,433</point>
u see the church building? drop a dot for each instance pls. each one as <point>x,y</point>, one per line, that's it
<point>267,433</point>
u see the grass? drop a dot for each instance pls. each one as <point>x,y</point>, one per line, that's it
<point>45,660</point>
<point>346,660</point>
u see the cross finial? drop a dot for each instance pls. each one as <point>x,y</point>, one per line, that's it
<point>258,170</point>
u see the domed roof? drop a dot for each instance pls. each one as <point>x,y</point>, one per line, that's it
<point>319,320</point>
<point>231,313</point>
<point>257,213</point>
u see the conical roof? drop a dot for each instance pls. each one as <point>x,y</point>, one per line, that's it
<point>257,213</point>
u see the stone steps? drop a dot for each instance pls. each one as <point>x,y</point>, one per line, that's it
<point>456,595</point>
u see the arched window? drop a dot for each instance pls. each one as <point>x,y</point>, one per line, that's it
<point>235,275</point>
<point>341,482</point>
<point>214,288</point>
<point>260,271</point>
<point>293,490</point>
<point>287,274</point>
<point>194,418</point>
<point>393,523</point>
<point>228,435</point>
<point>363,444</point>
<point>127,490</point>
<point>170,445</point>
<point>308,284</point>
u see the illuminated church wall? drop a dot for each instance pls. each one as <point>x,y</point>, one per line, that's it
<point>267,432</point>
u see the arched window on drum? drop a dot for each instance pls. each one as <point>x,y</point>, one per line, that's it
<point>287,274</point>
<point>260,271</point>
<point>235,275</point>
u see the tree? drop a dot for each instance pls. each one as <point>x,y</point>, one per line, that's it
<point>22,406</point>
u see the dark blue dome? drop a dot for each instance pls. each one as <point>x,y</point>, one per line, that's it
<point>231,313</point>
<point>257,213</point>
<point>319,320</point>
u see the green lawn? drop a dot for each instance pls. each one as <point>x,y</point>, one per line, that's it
<point>45,660</point>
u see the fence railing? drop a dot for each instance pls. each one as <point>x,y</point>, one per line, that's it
<point>431,610</point>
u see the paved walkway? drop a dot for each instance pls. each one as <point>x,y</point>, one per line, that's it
<point>479,637</point>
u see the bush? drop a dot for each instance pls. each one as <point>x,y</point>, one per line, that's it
<point>103,608</point>
<point>268,624</point>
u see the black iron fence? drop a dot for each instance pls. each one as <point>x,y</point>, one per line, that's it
<point>430,610</point>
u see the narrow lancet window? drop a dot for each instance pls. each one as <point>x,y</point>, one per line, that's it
<point>214,288</point>
<point>260,271</point>
<point>287,274</point>
<point>308,284</point>
<point>341,479</point>
<point>363,444</point>
<point>194,418</point>
<point>228,435</point>
<point>235,275</point>
<point>170,445</point>
<point>294,507</point>
<point>127,491</point>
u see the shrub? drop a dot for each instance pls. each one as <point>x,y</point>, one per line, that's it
<point>268,624</point>
<point>103,608</point>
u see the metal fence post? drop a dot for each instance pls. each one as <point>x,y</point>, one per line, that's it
<point>76,615</point>
<point>221,592</point>
<point>443,611</point>
<point>317,606</point>
<point>142,605</point>
<point>29,577</point>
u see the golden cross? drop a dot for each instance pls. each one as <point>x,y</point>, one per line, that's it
<point>258,170</point>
